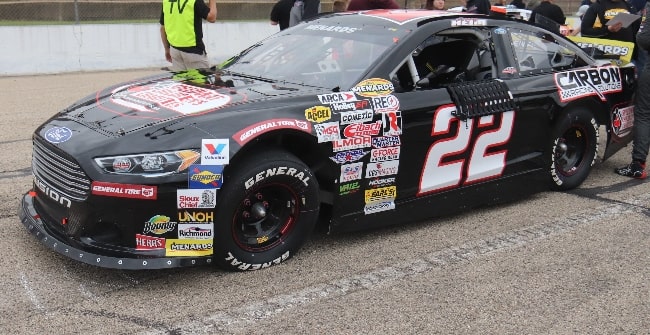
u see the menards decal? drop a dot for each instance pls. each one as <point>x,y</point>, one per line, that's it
<point>576,84</point>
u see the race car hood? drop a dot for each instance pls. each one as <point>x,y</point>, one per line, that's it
<point>176,97</point>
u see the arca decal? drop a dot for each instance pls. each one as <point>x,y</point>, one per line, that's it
<point>471,152</point>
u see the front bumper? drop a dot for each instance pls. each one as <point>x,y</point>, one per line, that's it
<point>34,224</point>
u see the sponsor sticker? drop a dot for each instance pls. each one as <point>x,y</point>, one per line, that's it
<point>131,191</point>
<point>386,141</point>
<point>215,151</point>
<point>384,154</point>
<point>392,123</point>
<point>348,156</point>
<point>351,143</point>
<point>385,103</point>
<point>196,216</point>
<point>188,247</point>
<point>144,242</point>
<point>381,194</point>
<point>337,97</point>
<point>158,225</point>
<point>378,207</point>
<point>576,84</point>
<point>362,129</point>
<point>196,231</point>
<point>360,116</point>
<point>351,106</point>
<point>382,169</point>
<point>58,135</point>
<point>196,198</point>
<point>349,188</point>
<point>460,22</point>
<point>327,132</point>
<point>351,172</point>
<point>318,114</point>
<point>623,120</point>
<point>379,182</point>
<point>374,87</point>
<point>205,176</point>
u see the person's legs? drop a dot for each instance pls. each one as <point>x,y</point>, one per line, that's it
<point>641,140</point>
<point>194,61</point>
<point>178,61</point>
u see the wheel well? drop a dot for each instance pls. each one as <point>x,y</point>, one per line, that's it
<point>303,146</point>
<point>594,105</point>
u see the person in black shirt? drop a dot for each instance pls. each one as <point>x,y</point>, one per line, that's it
<point>478,6</point>
<point>550,11</point>
<point>594,22</point>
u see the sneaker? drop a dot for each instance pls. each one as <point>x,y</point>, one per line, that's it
<point>634,170</point>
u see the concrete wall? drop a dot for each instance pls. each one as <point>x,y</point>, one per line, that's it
<point>53,49</point>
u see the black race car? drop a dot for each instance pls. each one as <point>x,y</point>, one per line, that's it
<point>370,118</point>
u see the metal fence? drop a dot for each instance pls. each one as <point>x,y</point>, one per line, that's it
<point>91,11</point>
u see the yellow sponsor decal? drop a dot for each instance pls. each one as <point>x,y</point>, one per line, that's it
<point>318,114</point>
<point>611,47</point>
<point>205,177</point>
<point>187,247</point>
<point>374,87</point>
<point>382,193</point>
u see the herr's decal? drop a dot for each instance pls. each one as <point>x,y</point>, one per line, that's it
<point>205,176</point>
<point>145,242</point>
<point>178,97</point>
<point>599,81</point>
<point>243,136</point>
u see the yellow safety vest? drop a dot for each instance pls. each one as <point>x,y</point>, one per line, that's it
<point>179,22</point>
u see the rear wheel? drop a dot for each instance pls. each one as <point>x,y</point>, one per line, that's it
<point>269,206</point>
<point>573,149</point>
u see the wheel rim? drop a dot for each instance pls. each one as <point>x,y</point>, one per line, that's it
<point>265,217</point>
<point>570,151</point>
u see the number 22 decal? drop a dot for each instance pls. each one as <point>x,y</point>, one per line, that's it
<point>438,175</point>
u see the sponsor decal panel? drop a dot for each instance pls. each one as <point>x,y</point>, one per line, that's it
<point>181,98</point>
<point>188,247</point>
<point>58,135</point>
<point>380,182</point>
<point>131,191</point>
<point>243,136</point>
<point>374,87</point>
<point>337,97</point>
<point>349,188</point>
<point>327,132</point>
<point>215,151</point>
<point>351,143</point>
<point>386,141</point>
<point>460,22</point>
<point>392,123</point>
<point>599,81</point>
<point>384,154</point>
<point>348,156</point>
<point>360,116</point>
<point>196,231</point>
<point>623,120</point>
<point>382,169</point>
<point>351,172</point>
<point>351,106</point>
<point>159,225</point>
<point>196,198</point>
<point>362,129</point>
<point>196,216</point>
<point>381,194</point>
<point>144,242</point>
<point>205,176</point>
<point>378,207</point>
<point>318,114</point>
<point>337,29</point>
<point>385,103</point>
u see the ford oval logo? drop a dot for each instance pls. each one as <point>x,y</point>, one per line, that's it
<point>58,134</point>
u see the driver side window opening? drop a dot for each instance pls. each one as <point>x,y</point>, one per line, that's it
<point>538,53</point>
<point>446,58</point>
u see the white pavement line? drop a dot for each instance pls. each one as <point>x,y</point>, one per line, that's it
<point>237,318</point>
<point>31,295</point>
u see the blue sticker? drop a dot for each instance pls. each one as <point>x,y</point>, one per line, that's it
<point>205,176</point>
<point>499,31</point>
<point>58,134</point>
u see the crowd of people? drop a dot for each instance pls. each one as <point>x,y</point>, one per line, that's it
<point>182,37</point>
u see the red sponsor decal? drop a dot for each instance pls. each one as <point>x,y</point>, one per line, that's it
<point>144,242</point>
<point>125,190</point>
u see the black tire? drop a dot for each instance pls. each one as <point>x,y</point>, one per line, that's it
<point>573,149</point>
<point>268,206</point>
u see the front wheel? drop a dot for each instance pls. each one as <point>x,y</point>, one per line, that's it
<point>268,207</point>
<point>573,149</point>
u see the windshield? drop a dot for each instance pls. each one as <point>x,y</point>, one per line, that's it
<point>315,55</point>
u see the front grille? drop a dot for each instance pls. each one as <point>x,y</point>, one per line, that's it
<point>59,172</point>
